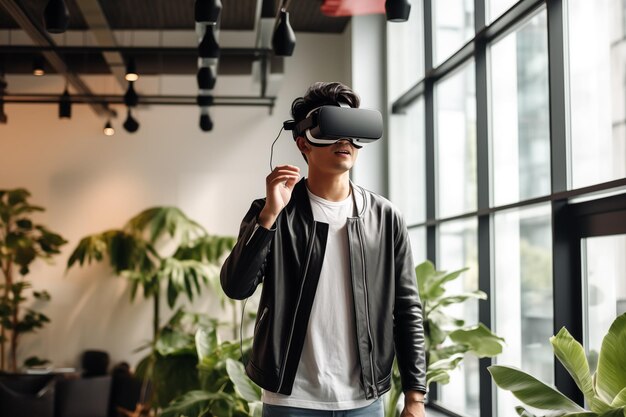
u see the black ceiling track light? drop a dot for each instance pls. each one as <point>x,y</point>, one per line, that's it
<point>3,86</point>
<point>56,16</point>
<point>38,69</point>
<point>3,116</point>
<point>208,11</point>
<point>397,10</point>
<point>208,47</point>
<point>65,105</point>
<point>206,78</point>
<point>284,38</point>
<point>131,70</point>
<point>108,128</point>
<point>130,124</point>
<point>130,97</point>
<point>206,124</point>
<point>205,100</point>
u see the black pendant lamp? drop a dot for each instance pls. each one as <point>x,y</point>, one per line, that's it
<point>283,39</point>
<point>130,124</point>
<point>397,10</point>
<point>208,11</point>
<point>206,124</point>
<point>130,97</point>
<point>3,115</point>
<point>208,47</point>
<point>65,105</point>
<point>56,16</point>
<point>38,69</point>
<point>206,78</point>
<point>131,70</point>
<point>108,128</point>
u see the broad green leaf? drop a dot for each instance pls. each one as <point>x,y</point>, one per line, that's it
<point>245,387</point>
<point>173,376</point>
<point>583,414</point>
<point>192,404</point>
<point>617,412</point>
<point>522,412</point>
<point>530,390</point>
<point>206,342</point>
<point>481,341</point>
<point>611,373</point>
<point>572,355</point>
<point>459,298</point>
<point>620,399</point>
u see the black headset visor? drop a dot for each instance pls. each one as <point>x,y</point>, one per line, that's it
<point>328,124</point>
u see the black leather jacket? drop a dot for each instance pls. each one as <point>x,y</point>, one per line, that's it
<point>288,259</point>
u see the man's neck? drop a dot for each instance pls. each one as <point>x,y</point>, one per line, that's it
<point>329,187</point>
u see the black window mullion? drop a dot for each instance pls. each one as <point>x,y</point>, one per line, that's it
<point>483,197</point>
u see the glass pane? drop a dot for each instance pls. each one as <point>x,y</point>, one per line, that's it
<point>604,290</point>
<point>458,248</point>
<point>520,123</point>
<point>597,70</point>
<point>405,52</point>
<point>407,174</point>
<point>454,26</point>
<point>523,294</point>
<point>418,244</point>
<point>455,141</point>
<point>498,7</point>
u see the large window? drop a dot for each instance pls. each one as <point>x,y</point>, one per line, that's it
<point>502,132</point>
<point>454,26</point>
<point>520,122</point>
<point>456,143</point>
<point>458,248</point>
<point>523,293</point>
<point>407,163</point>
<point>597,81</point>
<point>604,287</point>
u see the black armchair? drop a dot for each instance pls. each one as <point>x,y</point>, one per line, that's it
<point>23,395</point>
<point>83,397</point>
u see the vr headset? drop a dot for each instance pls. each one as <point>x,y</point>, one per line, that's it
<point>326,125</point>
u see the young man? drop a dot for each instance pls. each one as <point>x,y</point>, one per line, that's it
<point>339,294</point>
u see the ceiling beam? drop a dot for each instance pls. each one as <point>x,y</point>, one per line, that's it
<point>39,37</point>
<point>102,33</point>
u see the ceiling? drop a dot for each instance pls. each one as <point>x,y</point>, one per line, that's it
<point>161,16</point>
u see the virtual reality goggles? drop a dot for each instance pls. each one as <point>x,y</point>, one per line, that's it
<point>326,125</point>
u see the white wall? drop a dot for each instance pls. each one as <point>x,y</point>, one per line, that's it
<point>89,182</point>
<point>368,69</point>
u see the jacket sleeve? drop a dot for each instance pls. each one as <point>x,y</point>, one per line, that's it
<point>244,268</point>
<point>408,320</point>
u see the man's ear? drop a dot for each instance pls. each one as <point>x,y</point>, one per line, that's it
<point>302,144</point>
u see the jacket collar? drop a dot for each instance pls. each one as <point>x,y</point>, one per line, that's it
<point>300,197</point>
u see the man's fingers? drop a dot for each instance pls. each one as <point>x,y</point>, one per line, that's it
<point>283,178</point>
<point>281,173</point>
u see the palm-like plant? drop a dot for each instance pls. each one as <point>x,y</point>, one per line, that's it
<point>21,243</point>
<point>447,339</point>
<point>604,392</point>
<point>137,252</point>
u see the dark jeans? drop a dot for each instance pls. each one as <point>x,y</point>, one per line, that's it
<point>373,410</point>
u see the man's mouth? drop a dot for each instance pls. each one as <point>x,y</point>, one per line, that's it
<point>343,152</point>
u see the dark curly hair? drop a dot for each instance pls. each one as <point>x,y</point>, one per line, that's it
<point>322,94</point>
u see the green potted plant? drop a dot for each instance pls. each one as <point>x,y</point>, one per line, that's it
<point>194,374</point>
<point>447,339</point>
<point>604,391</point>
<point>22,241</point>
<point>159,249</point>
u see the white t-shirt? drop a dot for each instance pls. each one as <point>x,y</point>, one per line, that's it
<point>328,376</point>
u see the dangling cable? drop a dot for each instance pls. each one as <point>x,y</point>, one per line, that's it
<point>272,150</point>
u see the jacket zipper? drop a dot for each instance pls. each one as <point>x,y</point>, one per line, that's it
<point>367,314</point>
<point>293,323</point>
